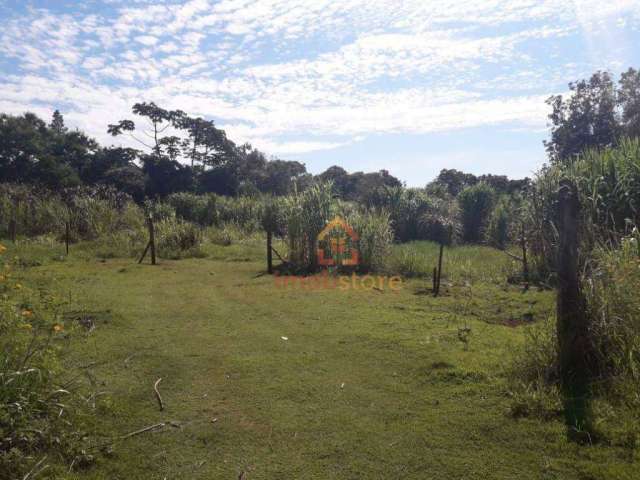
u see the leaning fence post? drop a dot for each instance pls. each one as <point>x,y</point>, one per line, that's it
<point>269,252</point>
<point>151,244</point>
<point>572,321</point>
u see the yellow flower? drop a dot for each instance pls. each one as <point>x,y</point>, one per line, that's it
<point>18,286</point>
<point>2,249</point>
<point>58,328</point>
<point>27,313</point>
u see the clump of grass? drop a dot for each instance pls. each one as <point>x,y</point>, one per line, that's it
<point>614,317</point>
<point>375,238</point>
<point>178,239</point>
<point>463,263</point>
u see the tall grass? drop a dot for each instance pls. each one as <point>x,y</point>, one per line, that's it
<point>375,238</point>
<point>464,263</point>
<point>38,412</point>
<point>608,183</point>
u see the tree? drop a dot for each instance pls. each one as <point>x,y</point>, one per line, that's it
<point>454,180</point>
<point>629,100</point>
<point>158,118</point>
<point>340,179</point>
<point>128,179</point>
<point>476,203</point>
<point>200,144</point>
<point>32,152</point>
<point>165,176</point>
<point>587,119</point>
<point>57,123</point>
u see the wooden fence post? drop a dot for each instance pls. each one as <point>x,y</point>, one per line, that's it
<point>437,292</point>
<point>525,265</point>
<point>13,223</point>
<point>269,253</point>
<point>572,321</point>
<point>435,280</point>
<point>152,240</point>
<point>151,244</point>
<point>66,236</point>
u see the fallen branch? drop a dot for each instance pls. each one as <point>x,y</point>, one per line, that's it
<point>143,430</point>
<point>112,442</point>
<point>155,389</point>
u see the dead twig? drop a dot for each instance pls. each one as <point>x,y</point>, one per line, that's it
<point>34,471</point>
<point>155,389</point>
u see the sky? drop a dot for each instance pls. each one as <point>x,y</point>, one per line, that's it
<point>410,86</point>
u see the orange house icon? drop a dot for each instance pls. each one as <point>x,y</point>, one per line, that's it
<point>337,244</point>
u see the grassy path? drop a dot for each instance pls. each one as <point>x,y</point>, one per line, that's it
<point>368,385</point>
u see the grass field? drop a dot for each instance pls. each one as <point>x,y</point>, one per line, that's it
<point>261,382</point>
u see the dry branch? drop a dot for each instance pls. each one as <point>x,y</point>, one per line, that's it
<point>155,389</point>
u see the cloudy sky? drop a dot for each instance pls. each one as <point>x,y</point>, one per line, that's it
<point>411,86</point>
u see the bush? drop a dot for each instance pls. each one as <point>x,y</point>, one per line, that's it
<point>497,233</point>
<point>475,204</point>
<point>178,239</point>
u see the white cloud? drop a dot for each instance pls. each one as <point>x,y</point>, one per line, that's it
<point>294,76</point>
<point>146,40</point>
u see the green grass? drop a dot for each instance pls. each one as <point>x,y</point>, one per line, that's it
<point>369,384</point>
<point>461,264</point>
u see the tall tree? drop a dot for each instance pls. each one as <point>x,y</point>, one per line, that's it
<point>57,123</point>
<point>588,118</point>
<point>629,99</point>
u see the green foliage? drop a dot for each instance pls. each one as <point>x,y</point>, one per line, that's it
<point>178,239</point>
<point>608,182</point>
<point>614,310</point>
<point>38,414</point>
<point>497,233</point>
<point>305,215</point>
<point>475,205</point>
<point>596,115</point>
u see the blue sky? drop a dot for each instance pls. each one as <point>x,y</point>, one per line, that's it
<point>411,86</point>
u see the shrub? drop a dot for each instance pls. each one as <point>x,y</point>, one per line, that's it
<point>497,233</point>
<point>177,238</point>
<point>440,222</point>
<point>475,205</point>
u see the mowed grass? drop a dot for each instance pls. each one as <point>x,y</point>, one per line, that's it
<point>367,384</point>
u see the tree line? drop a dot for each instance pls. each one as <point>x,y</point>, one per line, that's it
<point>177,153</point>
